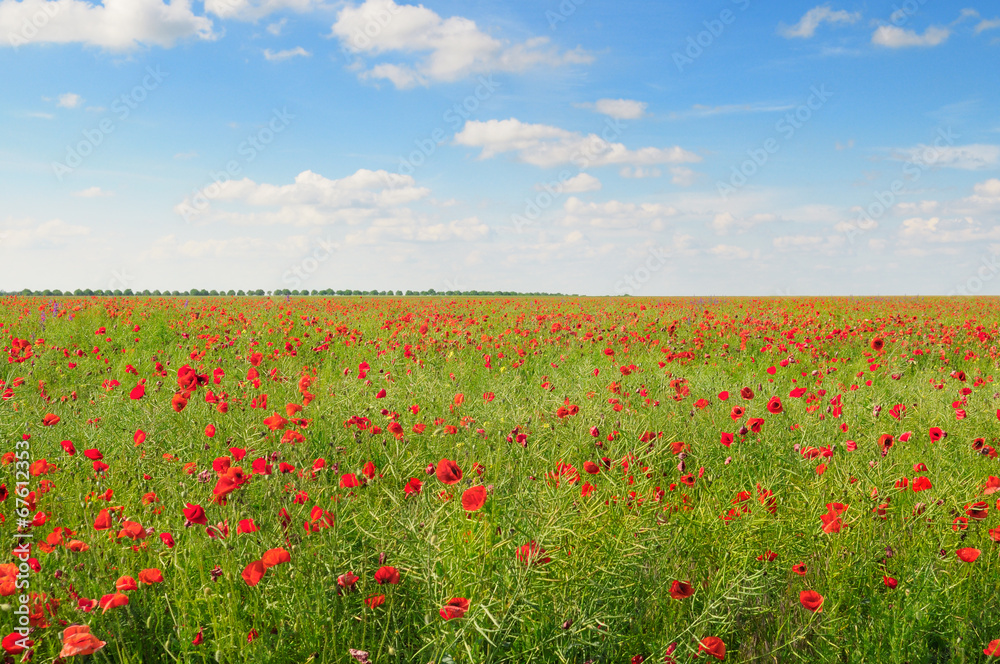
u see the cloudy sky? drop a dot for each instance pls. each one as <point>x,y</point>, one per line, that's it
<point>577,146</point>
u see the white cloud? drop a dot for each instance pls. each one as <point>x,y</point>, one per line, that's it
<point>975,156</point>
<point>547,146</point>
<point>988,189</point>
<point>26,233</point>
<point>277,27</point>
<point>806,27</point>
<point>682,176</point>
<point>186,155</point>
<point>314,200</point>
<point>703,111</point>
<point>438,49</point>
<point>616,214</point>
<point>577,184</point>
<point>809,243</point>
<point>116,25</point>
<point>92,192</point>
<point>298,51</point>
<point>729,252</point>
<point>639,172</point>
<point>412,230</point>
<point>987,24</point>
<point>937,230</point>
<point>621,109</point>
<point>69,100</point>
<point>724,223</point>
<point>240,247</point>
<point>892,36</point>
<point>253,10</point>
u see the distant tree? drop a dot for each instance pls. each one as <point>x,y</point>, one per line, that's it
<point>214,293</point>
<point>128,291</point>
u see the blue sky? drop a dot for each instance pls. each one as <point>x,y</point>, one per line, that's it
<point>712,148</point>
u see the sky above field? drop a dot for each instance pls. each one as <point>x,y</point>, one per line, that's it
<point>651,148</point>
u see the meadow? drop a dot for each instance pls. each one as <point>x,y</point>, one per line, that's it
<point>466,480</point>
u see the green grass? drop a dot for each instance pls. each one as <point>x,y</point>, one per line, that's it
<point>605,594</point>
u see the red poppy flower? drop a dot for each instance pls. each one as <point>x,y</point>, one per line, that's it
<point>178,402</point>
<point>274,557</point>
<point>138,392</point>
<point>125,583</point>
<point>799,568</point>
<point>103,520</point>
<point>921,483</point>
<point>811,600</point>
<point>210,430</point>
<point>49,420</point>
<point>474,498</point>
<point>275,422</point>
<point>14,643</point>
<point>253,573</point>
<point>768,555</point>
<point>139,438</point>
<point>349,481</point>
<point>992,649</point>
<point>755,424</point>
<point>455,608</point>
<point>195,514</point>
<point>936,434</point>
<point>978,511</point>
<point>968,554</point>
<point>774,406</point>
<point>448,472</point>
<point>736,413</point>
<point>246,526</point>
<point>726,439</point>
<point>746,393</point>
<point>413,486</point>
<point>150,576</point>
<point>77,640</point>
<point>681,590</point>
<point>167,539</point>
<point>387,575</point>
<point>375,601</point>
<point>890,582</point>
<point>713,645</point>
<point>530,554</point>
<point>112,600</point>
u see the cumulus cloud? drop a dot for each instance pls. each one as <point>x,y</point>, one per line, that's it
<point>413,230</point>
<point>278,56</point>
<point>252,10</point>
<point>616,214</point>
<point>27,233</point>
<point>430,49</point>
<point>92,192</point>
<point>892,36</point>
<point>115,25</point>
<point>972,157</point>
<point>547,146</point>
<point>621,109</point>
<point>69,100</point>
<point>577,184</point>
<point>806,27</point>
<point>729,252</point>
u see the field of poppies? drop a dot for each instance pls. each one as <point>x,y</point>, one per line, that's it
<point>414,480</point>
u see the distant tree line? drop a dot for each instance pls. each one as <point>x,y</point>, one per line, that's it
<point>329,292</point>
